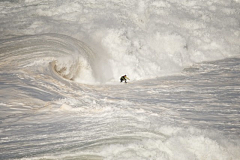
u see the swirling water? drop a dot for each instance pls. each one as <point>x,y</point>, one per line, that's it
<point>60,91</point>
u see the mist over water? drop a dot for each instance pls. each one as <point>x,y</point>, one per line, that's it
<point>60,64</point>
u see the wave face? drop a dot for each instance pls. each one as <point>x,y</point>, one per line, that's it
<point>60,64</point>
<point>62,55</point>
<point>144,39</point>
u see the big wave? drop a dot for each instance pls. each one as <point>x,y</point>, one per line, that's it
<point>141,39</point>
<point>57,54</point>
<point>74,60</point>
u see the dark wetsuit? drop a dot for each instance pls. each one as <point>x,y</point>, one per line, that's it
<point>124,78</point>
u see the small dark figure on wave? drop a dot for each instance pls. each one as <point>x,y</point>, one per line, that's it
<point>124,78</point>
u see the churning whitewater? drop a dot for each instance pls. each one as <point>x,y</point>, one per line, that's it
<point>60,65</point>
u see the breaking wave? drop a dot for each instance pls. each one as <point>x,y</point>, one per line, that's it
<point>152,39</point>
<point>73,60</point>
<point>69,58</point>
<point>46,46</point>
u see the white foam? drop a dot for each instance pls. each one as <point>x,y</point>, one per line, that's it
<point>143,39</point>
<point>182,144</point>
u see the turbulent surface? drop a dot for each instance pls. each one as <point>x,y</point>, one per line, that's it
<point>60,64</point>
<point>143,39</point>
<point>190,116</point>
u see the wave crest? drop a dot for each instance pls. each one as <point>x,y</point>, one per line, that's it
<point>68,57</point>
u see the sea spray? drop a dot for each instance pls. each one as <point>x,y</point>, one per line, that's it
<point>60,64</point>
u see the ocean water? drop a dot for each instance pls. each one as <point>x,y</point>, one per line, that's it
<point>60,65</point>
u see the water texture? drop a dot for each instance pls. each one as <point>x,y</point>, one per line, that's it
<point>60,65</point>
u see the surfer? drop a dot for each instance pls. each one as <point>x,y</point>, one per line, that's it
<point>124,78</point>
